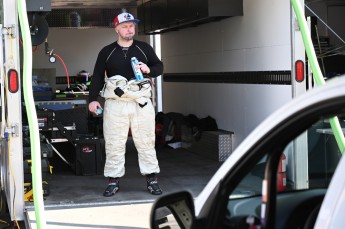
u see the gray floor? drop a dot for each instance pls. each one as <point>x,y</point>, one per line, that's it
<point>180,170</point>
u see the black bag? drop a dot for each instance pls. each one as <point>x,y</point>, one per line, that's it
<point>208,124</point>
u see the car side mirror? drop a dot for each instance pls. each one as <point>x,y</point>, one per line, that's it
<point>174,210</point>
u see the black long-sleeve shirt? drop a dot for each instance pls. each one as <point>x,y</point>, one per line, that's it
<point>112,60</point>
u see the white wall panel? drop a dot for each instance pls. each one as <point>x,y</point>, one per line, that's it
<point>272,58</point>
<point>257,41</point>
<point>236,107</point>
<point>77,47</point>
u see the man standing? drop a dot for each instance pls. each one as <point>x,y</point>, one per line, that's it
<point>122,110</point>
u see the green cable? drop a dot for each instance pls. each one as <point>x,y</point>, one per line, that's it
<point>317,74</point>
<point>36,169</point>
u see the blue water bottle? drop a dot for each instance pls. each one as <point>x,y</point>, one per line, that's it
<point>137,72</point>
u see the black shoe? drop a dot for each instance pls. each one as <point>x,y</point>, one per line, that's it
<point>152,184</point>
<point>113,187</point>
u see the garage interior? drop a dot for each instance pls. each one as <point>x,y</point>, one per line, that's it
<point>65,125</point>
<point>73,157</point>
<point>180,168</point>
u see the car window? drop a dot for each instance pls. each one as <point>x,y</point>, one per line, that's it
<point>304,172</point>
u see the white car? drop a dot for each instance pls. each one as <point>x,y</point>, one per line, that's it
<point>288,173</point>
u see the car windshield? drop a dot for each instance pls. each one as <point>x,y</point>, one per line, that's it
<point>308,162</point>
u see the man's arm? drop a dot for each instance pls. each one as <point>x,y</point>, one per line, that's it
<point>154,63</point>
<point>97,79</point>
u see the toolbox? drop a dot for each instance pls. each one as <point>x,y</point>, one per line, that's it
<point>215,145</point>
<point>89,159</point>
<point>45,119</point>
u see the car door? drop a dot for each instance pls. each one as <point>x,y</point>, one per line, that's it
<point>249,190</point>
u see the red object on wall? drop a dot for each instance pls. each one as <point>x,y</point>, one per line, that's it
<point>281,175</point>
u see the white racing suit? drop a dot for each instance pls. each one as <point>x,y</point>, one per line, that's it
<point>128,105</point>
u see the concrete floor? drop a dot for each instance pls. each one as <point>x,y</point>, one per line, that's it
<point>180,170</point>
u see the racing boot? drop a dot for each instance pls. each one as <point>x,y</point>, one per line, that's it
<point>113,187</point>
<point>152,184</point>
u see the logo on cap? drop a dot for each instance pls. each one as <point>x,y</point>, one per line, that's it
<point>128,17</point>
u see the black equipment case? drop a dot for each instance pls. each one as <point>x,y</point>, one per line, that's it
<point>89,159</point>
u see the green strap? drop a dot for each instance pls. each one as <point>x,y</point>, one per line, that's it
<point>32,117</point>
<point>317,74</point>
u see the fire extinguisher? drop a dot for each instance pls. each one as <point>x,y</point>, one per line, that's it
<point>281,175</point>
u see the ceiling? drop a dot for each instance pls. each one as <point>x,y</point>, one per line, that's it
<point>69,4</point>
<point>79,13</point>
<point>113,4</point>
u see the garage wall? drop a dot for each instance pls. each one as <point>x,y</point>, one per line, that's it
<point>77,47</point>
<point>257,41</point>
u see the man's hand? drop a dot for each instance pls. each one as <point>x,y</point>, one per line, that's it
<point>93,106</point>
<point>144,68</point>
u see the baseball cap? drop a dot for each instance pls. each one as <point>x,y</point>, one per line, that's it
<point>125,17</point>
